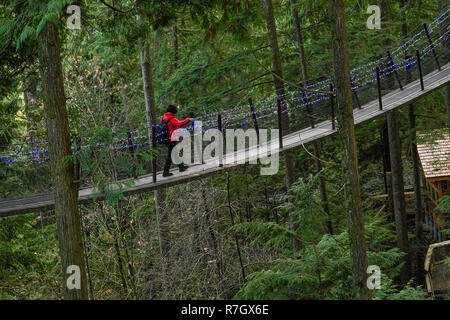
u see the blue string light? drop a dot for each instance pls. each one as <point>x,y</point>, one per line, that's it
<point>362,77</point>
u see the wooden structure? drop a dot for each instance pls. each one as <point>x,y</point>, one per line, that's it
<point>434,154</point>
<point>437,275</point>
<point>393,100</point>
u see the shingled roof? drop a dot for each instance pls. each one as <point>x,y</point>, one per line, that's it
<point>434,153</point>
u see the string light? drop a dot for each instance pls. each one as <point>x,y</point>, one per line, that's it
<point>361,77</point>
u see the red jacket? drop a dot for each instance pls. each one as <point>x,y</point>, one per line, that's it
<point>173,125</point>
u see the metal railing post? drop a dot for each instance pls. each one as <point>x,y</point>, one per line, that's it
<point>280,124</point>
<point>380,102</point>
<point>252,109</point>
<point>308,109</point>
<point>219,127</point>
<point>131,149</point>
<point>333,116</point>
<point>395,70</point>
<point>355,94</point>
<point>432,46</point>
<point>419,65</point>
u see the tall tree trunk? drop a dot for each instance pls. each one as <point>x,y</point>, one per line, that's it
<point>387,163</point>
<point>346,126</point>
<point>417,194</point>
<point>323,188</point>
<point>304,69</point>
<point>213,241</point>
<point>416,171</point>
<point>299,36</point>
<point>150,111</point>
<point>65,188</point>
<point>446,51</point>
<point>30,96</point>
<point>279,86</point>
<point>398,192</point>
<point>236,239</point>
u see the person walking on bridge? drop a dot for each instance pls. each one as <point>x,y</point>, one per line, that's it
<point>173,124</point>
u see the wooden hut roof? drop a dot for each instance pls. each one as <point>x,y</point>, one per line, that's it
<point>434,153</point>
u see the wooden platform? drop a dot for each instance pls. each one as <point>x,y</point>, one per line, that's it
<point>395,99</point>
<point>437,271</point>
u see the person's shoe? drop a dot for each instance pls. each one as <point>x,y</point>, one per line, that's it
<point>183,168</point>
<point>167,174</point>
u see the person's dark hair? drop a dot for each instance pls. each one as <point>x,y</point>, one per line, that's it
<point>172,108</point>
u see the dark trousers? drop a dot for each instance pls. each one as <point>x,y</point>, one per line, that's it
<point>168,163</point>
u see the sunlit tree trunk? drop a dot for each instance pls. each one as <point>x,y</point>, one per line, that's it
<point>63,178</point>
<point>346,126</point>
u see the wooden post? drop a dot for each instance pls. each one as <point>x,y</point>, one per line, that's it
<point>219,126</point>
<point>395,70</point>
<point>280,124</point>
<point>419,65</point>
<point>380,102</point>
<point>154,156</point>
<point>308,109</point>
<point>131,149</point>
<point>333,116</point>
<point>432,46</point>
<point>355,94</point>
<point>252,108</point>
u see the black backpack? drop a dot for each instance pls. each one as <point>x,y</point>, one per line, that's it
<point>162,132</point>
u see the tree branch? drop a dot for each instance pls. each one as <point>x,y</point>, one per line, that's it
<point>115,9</point>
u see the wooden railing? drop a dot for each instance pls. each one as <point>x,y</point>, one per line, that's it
<point>435,268</point>
<point>434,218</point>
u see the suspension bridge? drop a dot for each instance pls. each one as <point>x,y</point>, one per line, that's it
<point>416,68</point>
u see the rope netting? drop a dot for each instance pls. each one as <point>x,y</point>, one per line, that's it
<point>302,106</point>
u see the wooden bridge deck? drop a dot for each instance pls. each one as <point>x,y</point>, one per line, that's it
<point>393,100</point>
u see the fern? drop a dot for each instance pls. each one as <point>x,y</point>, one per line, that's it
<point>51,17</point>
<point>27,33</point>
<point>57,5</point>
<point>270,234</point>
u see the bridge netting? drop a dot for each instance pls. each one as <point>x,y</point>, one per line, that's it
<point>302,106</point>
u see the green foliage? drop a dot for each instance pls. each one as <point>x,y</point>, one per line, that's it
<point>323,267</point>
<point>268,234</point>
<point>50,17</point>
<point>223,59</point>
<point>444,203</point>
<point>26,34</point>
<point>389,291</point>
<point>29,262</point>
